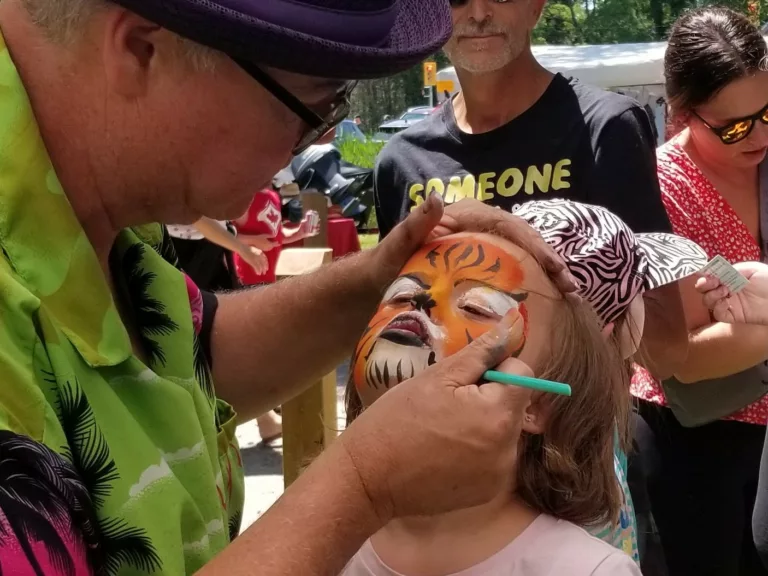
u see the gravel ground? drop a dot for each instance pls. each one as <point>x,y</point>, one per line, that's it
<point>263,464</point>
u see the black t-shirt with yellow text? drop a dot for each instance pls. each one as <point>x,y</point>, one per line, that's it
<point>576,142</point>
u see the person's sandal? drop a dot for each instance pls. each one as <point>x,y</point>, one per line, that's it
<point>269,440</point>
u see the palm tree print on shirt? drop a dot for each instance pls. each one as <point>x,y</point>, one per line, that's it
<point>149,312</point>
<point>119,543</point>
<point>202,370</point>
<point>151,318</point>
<point>234,525</point>
<point>43,500</point>
<point>166,249</point>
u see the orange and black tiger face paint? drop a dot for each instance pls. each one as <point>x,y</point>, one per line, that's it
<point>448,294</point>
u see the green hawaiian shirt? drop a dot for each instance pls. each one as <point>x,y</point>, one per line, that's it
<point>108,465</point>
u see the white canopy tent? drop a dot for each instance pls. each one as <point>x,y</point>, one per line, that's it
<point>607,66</point>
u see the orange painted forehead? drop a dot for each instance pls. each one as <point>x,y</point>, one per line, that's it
<point>467,258</point>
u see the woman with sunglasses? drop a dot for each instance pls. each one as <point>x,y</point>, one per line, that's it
<point>707,458</point>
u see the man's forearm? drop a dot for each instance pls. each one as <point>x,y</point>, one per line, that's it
<point>269,344</point>
<point>320,522</point>
<point>719,350</point>
<point>665,337</point>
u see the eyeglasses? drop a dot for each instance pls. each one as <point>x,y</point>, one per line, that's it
<point>737,130</point>
<point>460,3</point>
<point>319,126</point>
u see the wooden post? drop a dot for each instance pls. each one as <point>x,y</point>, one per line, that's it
<point>309,420</point>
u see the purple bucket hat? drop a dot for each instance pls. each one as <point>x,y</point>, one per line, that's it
<point>612,264</point>
<point>340,39</point>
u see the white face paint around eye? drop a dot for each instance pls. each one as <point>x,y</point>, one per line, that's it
<point>403,288</point>
<point>487,300</point>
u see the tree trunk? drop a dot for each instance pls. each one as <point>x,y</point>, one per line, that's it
<point>573,14</point>
<point>657,16</point>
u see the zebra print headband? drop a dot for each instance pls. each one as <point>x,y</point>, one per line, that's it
<point>612,264</point>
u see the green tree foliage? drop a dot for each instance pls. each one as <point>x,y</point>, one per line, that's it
<point>620,21</point>
<point>562,22</point>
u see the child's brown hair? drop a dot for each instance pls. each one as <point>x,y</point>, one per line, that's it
<point>568,471</point>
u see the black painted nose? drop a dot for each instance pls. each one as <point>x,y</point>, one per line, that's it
<point>423,302</point>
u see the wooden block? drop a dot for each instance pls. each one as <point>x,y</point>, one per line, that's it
<point>309,426</point>
<point>296,261</point>
<point>309,420</point>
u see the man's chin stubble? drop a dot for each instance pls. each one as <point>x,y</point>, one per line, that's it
<point>480,62</point>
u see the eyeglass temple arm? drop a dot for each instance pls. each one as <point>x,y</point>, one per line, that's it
<point>276,89</point>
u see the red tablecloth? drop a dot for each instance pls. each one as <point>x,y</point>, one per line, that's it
<point>342,237</point>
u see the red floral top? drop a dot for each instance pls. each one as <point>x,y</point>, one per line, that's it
<point>697,211</point>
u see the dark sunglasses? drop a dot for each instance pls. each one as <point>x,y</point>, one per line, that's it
<point>737,130</point>
<point>319,126</point>
<point>460,3</point>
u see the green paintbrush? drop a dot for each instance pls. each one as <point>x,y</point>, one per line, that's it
<point>527,382</point>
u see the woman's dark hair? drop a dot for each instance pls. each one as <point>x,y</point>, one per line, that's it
<point>708,49</point>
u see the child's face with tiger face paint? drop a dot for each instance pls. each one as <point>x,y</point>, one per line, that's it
<point>449,293</point>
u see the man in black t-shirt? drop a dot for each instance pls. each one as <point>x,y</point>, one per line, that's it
<point>547,137</point>
<point>575,141</point>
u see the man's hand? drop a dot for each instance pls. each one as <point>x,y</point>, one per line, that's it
<point>474,216</point>
<point>435,443</point>
<point>440,442</point>
<point>465,216</point>
<point>387,259</point>
<point>750,306</point>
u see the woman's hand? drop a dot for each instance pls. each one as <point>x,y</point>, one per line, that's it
<point>310,225</point>
<point>259,241</point>
<point>256,259</point>
<point>750,306</point>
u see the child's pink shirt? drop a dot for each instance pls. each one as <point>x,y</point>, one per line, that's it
<point>548,547</point>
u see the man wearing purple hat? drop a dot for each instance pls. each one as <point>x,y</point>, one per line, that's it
<point>119,378</point>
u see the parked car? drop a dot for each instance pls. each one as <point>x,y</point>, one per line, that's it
<point>412,116</point>
<point>417,113</point>
<point>348,129</point>
<point>386,131</point>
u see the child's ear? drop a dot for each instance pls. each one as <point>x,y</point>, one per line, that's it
<point>627,346</point>
<point>537,414</point>
<point>608,330</point>
<point>631,329</point>
<point>629,342</point>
